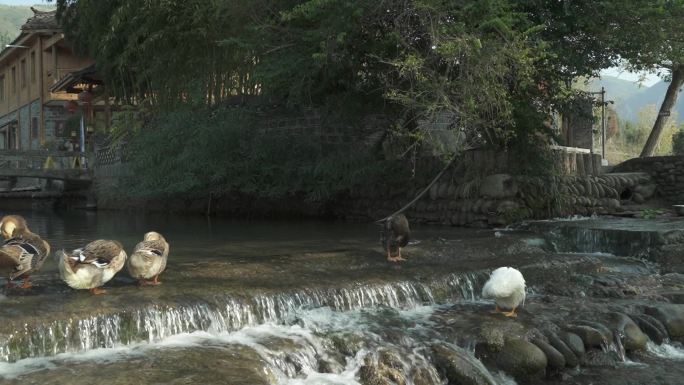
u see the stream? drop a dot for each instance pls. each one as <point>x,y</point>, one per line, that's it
<point>307,302</point>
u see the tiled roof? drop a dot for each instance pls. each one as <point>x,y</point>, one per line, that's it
<point>41,20</point>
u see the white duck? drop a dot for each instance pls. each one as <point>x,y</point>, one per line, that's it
<point>507,286</point>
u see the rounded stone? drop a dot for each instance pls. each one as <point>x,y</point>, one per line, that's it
<point>672,316</point>
<point>554,358</point>
<point>460,367</point>
<point>574,342</point>
<point>605,331</point>
<point>651,330</point>
<point>591,337</point>
<point>632,337</point>
<point>522,359</point>
<point>570,357</point>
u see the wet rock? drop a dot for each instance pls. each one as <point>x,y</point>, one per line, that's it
<point>574,342</point>
<point>674,296</point>
<point>647,326</point>
<point>372,373</point>
<point>522,359</point>
<point>348,343</point>
<point>389,358</point>
<point>571,359</point>
<point>606,333</point>
<point>591,337</point>
<point>555,359</point>
<point>672,316</point>
<point>494,332</point>
<point>632,337</point>
<point>600,358</point>
<point>460,367</point>
<point>422,376</point>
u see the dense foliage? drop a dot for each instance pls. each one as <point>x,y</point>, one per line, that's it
<point>493,69</point>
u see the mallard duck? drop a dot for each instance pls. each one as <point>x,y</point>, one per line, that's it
<point>23,252</point>
<point>92,266</point>
<point>395,235</point>
<point>507,286</point>
<point>149,259</point>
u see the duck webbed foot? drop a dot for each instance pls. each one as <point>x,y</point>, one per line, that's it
<point>511,313</point>
<point>98,291</point>
<point>27,283</point>
<point>153,282</point>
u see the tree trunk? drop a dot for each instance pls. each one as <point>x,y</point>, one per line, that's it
<point>665,110</point>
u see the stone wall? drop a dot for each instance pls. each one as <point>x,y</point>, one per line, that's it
<point>667,173</point>
<point>500,199</point>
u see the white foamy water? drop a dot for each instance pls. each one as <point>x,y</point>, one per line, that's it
<point>666,350</point>
<point>291,354</point>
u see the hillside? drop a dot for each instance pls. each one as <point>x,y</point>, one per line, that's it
<point>11,19</point>
<point>629,97</point>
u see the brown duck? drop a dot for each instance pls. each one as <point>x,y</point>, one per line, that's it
<point>149,259</point>
<point>22,252</point>
<point>395,235</point>
<point>92,266</point>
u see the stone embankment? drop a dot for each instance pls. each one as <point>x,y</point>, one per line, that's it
<point>501,199</point>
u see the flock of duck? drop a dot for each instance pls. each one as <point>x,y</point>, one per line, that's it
<point>89,267</point>
<point>93,265</point>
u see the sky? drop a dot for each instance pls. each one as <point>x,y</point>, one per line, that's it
<point>22,2</point>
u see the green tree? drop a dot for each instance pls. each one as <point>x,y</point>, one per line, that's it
<point>655,43</point>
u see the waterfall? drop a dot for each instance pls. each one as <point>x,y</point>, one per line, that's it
<point>225,313</point>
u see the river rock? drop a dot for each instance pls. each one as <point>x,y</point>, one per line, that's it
<point>632,337</point>
<point>647,325</point>
<point>498,186</point>
<point>672,316</point>
<point>522,359</point>
<point>460,367</point>
<point>571,359</point>
<point>372,373</point>
<point>555,359</point>
<point>606,333</point>
<point>574,342</point>
<point>591,337</point>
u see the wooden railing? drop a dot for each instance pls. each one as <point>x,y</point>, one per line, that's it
<point>44,164</point>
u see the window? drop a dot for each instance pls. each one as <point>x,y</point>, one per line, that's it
<point>34,128</point>
<point>2,87</point>
<point>33,67</point>
<point>14,80</point>
<point>23,73</point>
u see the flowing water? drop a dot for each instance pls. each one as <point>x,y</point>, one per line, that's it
<point>293,303</point>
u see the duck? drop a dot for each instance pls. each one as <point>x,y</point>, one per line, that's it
<point>395,235</point>
<point>506,285</point>
<point>93,265</point>
<point>22,252</point>
<point>149,259</point>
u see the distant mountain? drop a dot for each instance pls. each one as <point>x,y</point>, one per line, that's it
<point>12,18</point>
<point>629,97</point>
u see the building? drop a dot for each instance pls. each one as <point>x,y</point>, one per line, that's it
<point>37,97</point>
